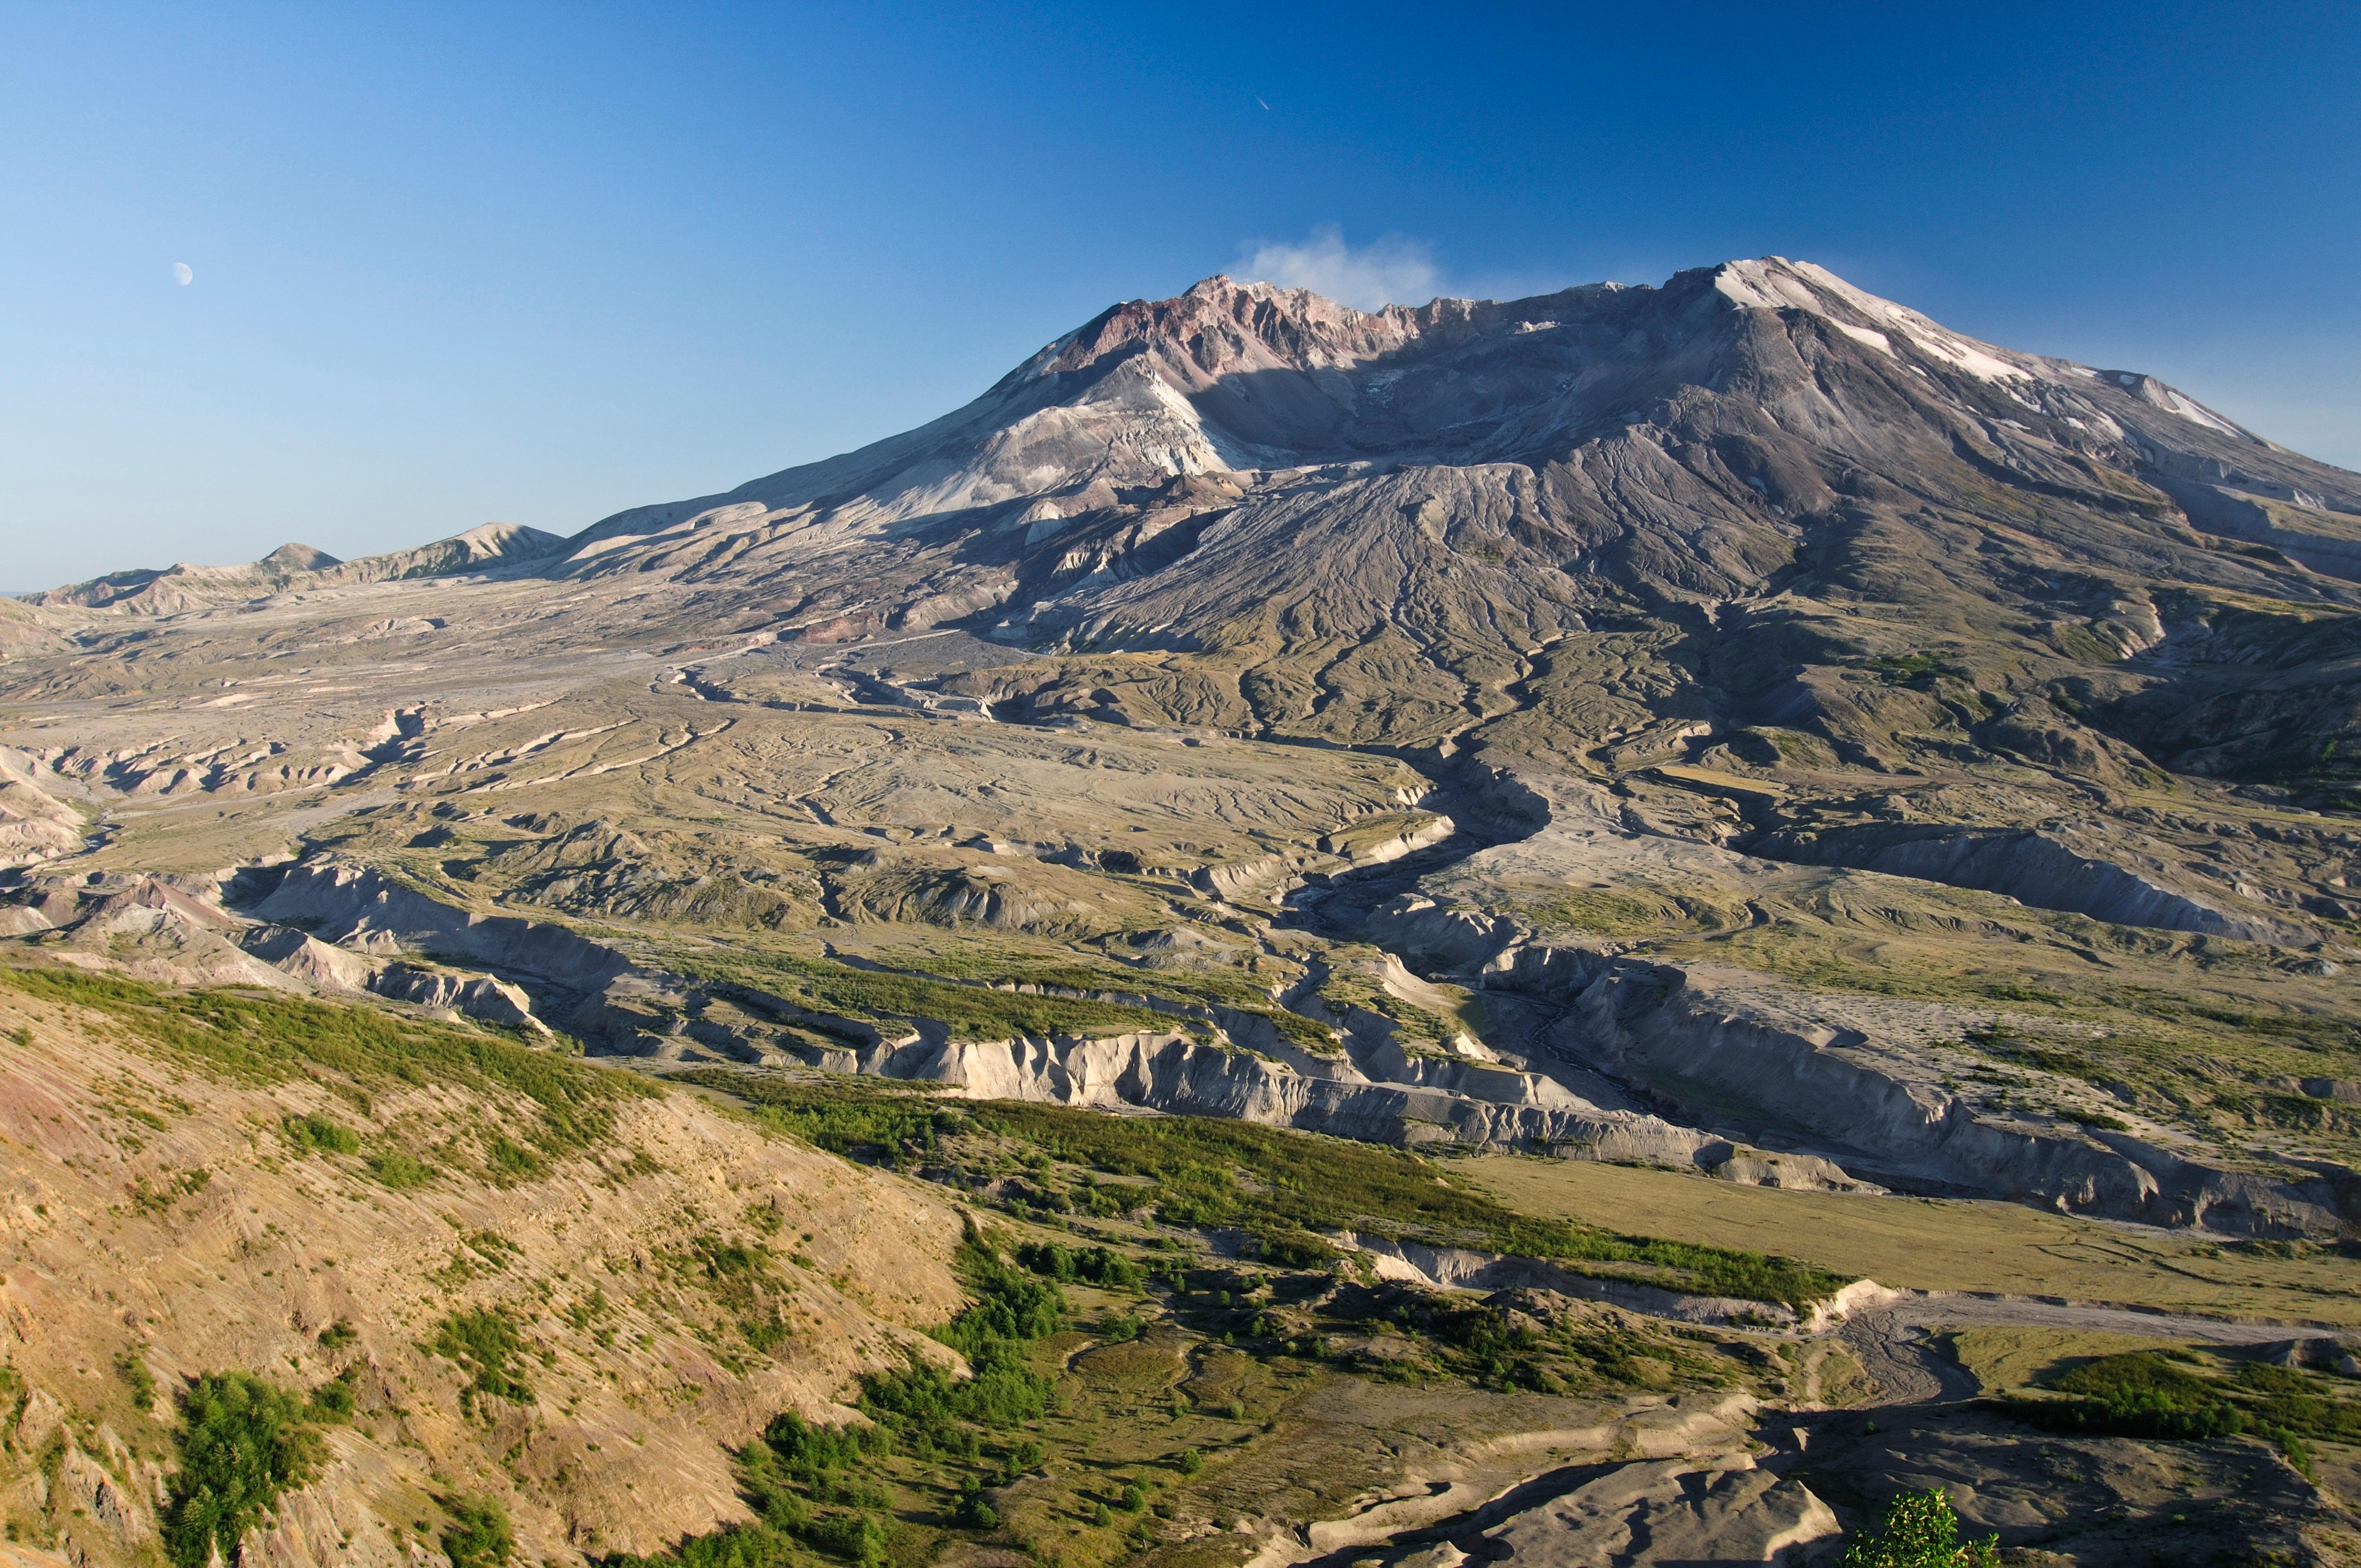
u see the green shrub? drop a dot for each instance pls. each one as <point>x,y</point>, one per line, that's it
<point>2139,1394</point>
<point>511,1161</point>
<point>483,1342</point>
<point>134,1372</point>
<point>398,1170</point>
<point>314,1134</point>
<point>242,1442</point>
<point>1093,1265</point>
<point>861,1538</point>
<point>1921,1532</point>
<point>479,1534</point>
<point>922,1403</point>
<point>332,1403</point>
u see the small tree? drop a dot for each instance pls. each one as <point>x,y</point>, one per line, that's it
<point>479,1534</point>
<point>242,1441</point>
<point>1921,1532</point>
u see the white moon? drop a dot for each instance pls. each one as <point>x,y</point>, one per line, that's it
<point>181,274</point>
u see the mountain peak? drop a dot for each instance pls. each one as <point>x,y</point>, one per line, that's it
<point>294,558</point>
<point>1220,326</point>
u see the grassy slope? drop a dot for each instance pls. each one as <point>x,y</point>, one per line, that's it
<point>1944,1244</point>
<point>538,1282</point>
<point>1286,1189</point>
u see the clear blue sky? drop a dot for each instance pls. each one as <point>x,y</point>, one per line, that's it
<point>457,263</point>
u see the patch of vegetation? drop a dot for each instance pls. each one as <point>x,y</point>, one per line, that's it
<point>969,1012</point>
<point>1344,990</point>
<point>1281,1186</point>
<point>1214,987</point>
<point>2009,1046</point>
<point>155,1195</point>
<point>479,1254</point>
<point>268,1039</point>
<point>738,1276</point>
<point>1608,914</point>
<point>1924,669</point>
<point>926,1411</point>
<point>509,1161</point>
<point>1093,1265</point>
<point>315,1133</point>
<point>1278,1185</point>
<point>242,1443</point>
<point>400,1171</point>
<point>134,1372</point>
<point>485,1342</point>
<point>2149,1393</point>
<point>332,1402</point>
<point>815,1488</point>
<point>856,1116</point>
<point>477,1535</point>
<point>1921,1532</point>
<point>1495,1345</point>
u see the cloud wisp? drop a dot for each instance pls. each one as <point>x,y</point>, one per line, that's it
<point>1391,271</point>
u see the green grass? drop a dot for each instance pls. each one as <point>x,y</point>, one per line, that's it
<point>969,1012</point>
<point>1610,914</point>
<point>1210,988</point>
<point>272,1039</point>
<point>1281,1186</point>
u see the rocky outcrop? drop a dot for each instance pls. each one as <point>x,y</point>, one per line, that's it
<point>309,959</point>
<point>474,996</point>
<point>1201,1070</point>
<point>1184,1074</point>
<point>1724,1046</point>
